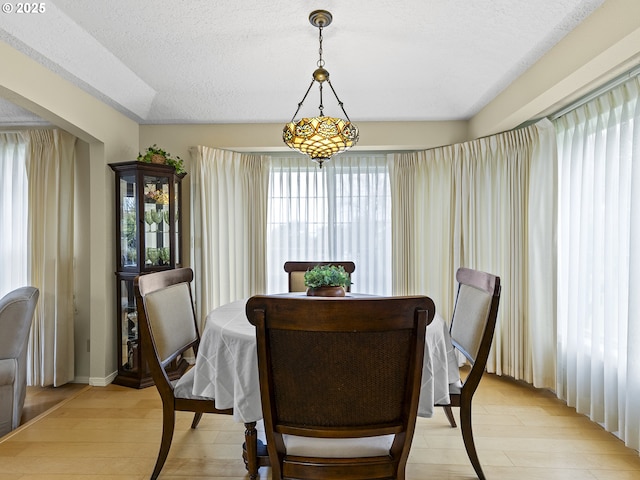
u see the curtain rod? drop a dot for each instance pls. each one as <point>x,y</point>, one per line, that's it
<point>610,85</point>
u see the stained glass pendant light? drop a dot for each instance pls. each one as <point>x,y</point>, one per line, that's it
<point>320,137</point>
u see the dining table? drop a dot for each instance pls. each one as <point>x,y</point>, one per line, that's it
<point>226,368</point>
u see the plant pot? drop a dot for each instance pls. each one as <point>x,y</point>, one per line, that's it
<point>326,292</point>
<point>159,159</point>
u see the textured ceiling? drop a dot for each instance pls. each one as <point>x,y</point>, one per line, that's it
<point>232,61</point>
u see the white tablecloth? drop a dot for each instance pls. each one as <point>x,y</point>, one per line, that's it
<point>227,364</point>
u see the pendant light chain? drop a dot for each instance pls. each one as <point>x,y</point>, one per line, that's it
<point>320,61</point>
<point>320,65</point>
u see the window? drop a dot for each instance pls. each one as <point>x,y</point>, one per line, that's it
<point>13,212</point>
<point>598,261</point>
<point>339,212</point>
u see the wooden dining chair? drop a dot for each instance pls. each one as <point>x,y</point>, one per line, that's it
<point>339,382</point>
<point>296,272</point>
<point>168,328</point>
<point>472,328</point>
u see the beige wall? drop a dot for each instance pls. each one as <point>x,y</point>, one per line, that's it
<point>268,137</point>
<point>606,44</point>
<point>82,274</point>
<point>110,137</point>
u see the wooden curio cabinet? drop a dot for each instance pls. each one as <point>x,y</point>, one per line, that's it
<point>148,239</point>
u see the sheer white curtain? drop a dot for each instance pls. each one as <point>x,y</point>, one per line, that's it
<point>14,208</point>
<point>50,163</point>
<point>339,212</point>
<point>599,261</point>
<point>228,227</point>
<point>488,204</point>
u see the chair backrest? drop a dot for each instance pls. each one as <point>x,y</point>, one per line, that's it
<point>340,367</point>
<point>296,272</point>
<point>166,319</point>
<point>474,318</point>
<point>16,316</point>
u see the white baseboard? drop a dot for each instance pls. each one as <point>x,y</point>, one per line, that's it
<point>102,381</point>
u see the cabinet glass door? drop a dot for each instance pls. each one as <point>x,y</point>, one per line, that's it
<point>157,237</point>
<point>129,351</point>
<point>128,221</point>
<point>177,191</point>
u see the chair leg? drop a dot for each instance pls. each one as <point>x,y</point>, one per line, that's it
<point>449,413</point>
<point>196,419</point>
<point>168,425</point>
<point>467,437</point>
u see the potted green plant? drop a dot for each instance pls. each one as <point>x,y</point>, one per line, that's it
<point>327,281</point>
<point>155,154</point>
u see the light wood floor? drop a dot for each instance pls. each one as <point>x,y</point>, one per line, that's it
<point>41,399</point>
<point>114,432</point>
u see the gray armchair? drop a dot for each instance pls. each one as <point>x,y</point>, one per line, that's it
<point>16,315</point>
